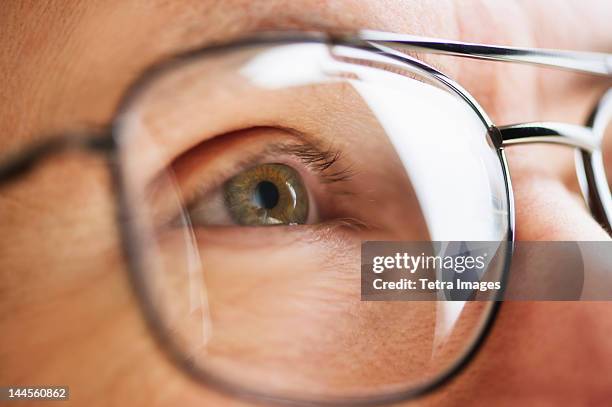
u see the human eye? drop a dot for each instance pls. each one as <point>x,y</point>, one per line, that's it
<point>265,184</point>
<point>281,179</point>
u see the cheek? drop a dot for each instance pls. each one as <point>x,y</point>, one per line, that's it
<point>269,311</point>
<point>67,312</point>
<point>531,347</point>
<point>533,343</point>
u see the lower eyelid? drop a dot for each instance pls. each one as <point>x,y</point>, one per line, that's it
<point>277,236</point>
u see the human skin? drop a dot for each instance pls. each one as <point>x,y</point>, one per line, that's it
<point>85,53</point>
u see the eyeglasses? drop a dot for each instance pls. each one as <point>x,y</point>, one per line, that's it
<point>246,176</point>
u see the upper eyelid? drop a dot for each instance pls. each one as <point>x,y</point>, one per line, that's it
<point>324,161</point>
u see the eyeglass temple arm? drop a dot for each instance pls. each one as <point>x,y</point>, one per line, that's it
<point>588,62</point>
<point>23,162</point>
<point>549,132</point>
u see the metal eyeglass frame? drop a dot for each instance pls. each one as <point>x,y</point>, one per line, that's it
<point>586,139</point>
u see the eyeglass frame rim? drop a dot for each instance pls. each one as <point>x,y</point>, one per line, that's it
<point>453,369</point>
<point>501,137</point>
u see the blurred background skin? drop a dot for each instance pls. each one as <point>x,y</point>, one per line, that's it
<point>65,64</point>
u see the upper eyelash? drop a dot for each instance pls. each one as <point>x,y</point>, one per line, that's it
<point>320,160</point>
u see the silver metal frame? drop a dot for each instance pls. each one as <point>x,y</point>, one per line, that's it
<point>500,137</point>
<point>135,257</point>
<point>585,139</point>
<point>586,62</point>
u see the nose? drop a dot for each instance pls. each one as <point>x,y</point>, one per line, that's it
<point>548,202</point>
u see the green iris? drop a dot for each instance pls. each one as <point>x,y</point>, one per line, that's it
<point>268,194</point>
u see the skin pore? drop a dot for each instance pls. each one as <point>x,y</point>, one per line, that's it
<point>65,65</point>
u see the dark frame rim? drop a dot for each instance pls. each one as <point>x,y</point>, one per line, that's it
<point>135,264</point>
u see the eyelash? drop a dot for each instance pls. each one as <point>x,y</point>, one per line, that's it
<point>320,161</point>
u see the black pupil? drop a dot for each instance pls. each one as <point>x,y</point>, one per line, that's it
<point>266,195</point>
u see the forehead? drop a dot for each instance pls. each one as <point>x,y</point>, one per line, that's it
<point>67,63</point>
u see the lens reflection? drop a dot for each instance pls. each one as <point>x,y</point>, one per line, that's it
<point>382,154</point>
